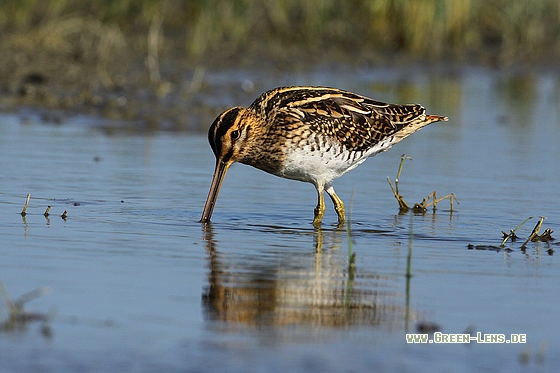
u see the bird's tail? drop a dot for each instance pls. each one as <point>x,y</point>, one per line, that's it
<point>417,124</point>
<point>435,118</point>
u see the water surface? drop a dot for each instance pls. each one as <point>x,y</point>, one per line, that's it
<point>137,284</point>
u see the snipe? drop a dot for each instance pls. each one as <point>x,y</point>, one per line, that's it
<point>311,134</point>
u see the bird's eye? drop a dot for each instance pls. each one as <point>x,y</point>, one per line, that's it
<point>235,135</point>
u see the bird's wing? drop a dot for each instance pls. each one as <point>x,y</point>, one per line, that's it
<point>355,121</point>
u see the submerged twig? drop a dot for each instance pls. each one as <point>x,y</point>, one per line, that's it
<point>23,212</point>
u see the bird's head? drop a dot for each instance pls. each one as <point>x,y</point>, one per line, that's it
<point>229,133</point>
<point>228,137</point>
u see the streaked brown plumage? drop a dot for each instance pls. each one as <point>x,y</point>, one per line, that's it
<point>312,134</point>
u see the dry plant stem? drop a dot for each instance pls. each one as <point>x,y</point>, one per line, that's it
<point>23,212</point>
<point>507,236</point>
<point>512,234</point>
<point>535,231</point>
<point>423,206</point>
<point>403,206</point>
<point>546,236</point>
<point>46,213</point>
<point>403,158</point>
<point>452,198</point>
<point>153,49</point>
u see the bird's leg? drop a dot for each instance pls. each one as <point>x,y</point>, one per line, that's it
<point>320,209</point>
<point>338,206</point>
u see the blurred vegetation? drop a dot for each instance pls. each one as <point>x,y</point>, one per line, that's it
<point>494,31</point>
<point>144,61</point>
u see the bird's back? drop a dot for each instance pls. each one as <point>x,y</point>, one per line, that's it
<point>355,122</point>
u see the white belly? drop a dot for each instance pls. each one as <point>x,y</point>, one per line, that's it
<point>308,164</point>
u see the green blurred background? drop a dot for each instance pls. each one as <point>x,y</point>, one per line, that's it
<point>151,62</point>
<point>488,31</point>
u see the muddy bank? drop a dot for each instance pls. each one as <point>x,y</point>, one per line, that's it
<point>141,79</point>
<point>130,90</point>
<point>116,86</point>
<point>126,85</point>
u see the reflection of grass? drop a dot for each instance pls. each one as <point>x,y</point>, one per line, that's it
<point>409,270</point>
<point>421,28</point>
<point>351,258</point>
<point>351,253</point>
<point>18,318</point>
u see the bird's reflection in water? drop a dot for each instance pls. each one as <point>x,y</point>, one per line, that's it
<point>314,288</point>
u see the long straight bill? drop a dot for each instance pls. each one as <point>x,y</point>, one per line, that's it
<point>217,180</point>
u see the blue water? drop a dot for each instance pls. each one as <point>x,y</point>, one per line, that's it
<point>137,284</point>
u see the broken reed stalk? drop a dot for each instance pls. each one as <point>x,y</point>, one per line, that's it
<point>535,232</point>
<point>423,206</point>
<point>546,236</point>
<point>452,198</point>
<point>403,157</point>
<point>23,212</point>
<point>511,233</point>
<point>46,213</point>
<point>403,206</point>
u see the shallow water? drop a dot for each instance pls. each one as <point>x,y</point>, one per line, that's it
<point>137,284</point>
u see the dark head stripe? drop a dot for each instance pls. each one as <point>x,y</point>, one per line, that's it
<point>220,127</point>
